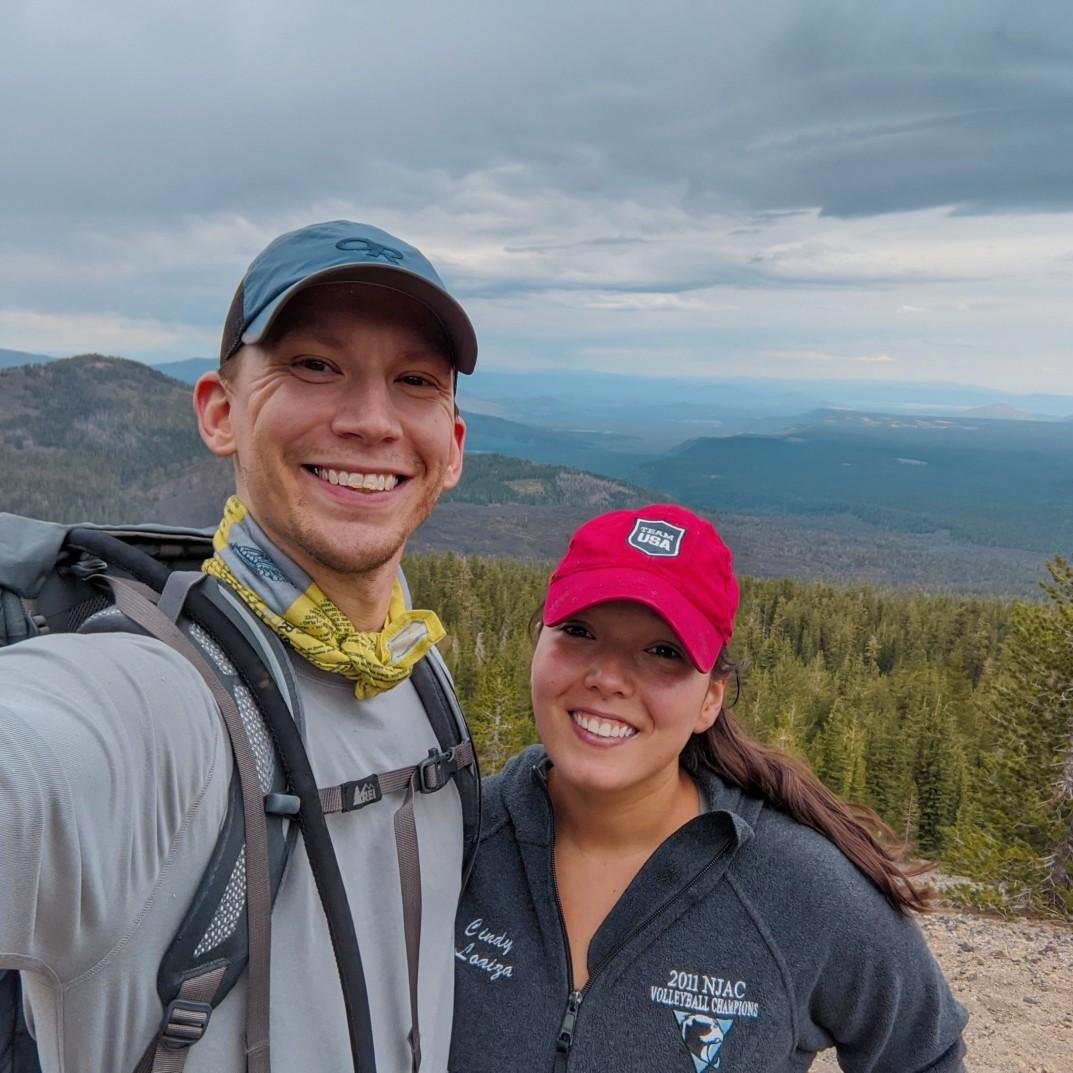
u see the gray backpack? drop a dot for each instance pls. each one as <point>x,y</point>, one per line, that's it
<point>56,578</point>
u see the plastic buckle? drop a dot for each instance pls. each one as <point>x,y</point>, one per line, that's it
<point>435,771</point>
<point>283,804</point>
<point>184,1023</point>
<point>361,792</point>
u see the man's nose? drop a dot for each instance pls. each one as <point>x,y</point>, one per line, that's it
<point>366,409</point>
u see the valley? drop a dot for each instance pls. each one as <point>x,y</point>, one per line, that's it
<point>969,504</point>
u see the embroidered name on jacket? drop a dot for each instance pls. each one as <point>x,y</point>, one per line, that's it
<point>486,950</point>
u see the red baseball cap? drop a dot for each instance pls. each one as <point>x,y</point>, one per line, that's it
<point>662,556</point>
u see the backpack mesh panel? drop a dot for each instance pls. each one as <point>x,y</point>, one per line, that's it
<point>229,911</point>
<point>71,618</point>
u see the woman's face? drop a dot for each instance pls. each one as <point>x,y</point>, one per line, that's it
<point>616,698</point>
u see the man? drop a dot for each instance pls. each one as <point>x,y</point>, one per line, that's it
<point>335,401</point>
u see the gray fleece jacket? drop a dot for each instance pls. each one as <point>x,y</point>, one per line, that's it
<point>746,944</point>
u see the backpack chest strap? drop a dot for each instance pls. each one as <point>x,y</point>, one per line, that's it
<point>431,774</point>
<point>427,777</point>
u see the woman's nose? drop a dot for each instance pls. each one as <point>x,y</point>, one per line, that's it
<point>608,674</point>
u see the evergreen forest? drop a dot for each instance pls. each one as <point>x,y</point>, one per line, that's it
<point>951,717</point>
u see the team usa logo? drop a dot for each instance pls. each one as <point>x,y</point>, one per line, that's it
<point>703,1037</point>
<point>656,538</point>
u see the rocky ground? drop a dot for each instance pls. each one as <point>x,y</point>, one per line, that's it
<point>1016,978</point>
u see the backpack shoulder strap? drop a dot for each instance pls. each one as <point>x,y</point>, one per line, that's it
<point>433,683</point>
<point>436,690</point>
<point>187,1014</point>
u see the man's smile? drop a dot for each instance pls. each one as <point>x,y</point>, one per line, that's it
<point>359,481</point>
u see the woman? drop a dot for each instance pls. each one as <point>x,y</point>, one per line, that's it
<point>654,892</point>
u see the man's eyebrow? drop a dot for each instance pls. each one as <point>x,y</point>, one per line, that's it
<point>308,330</point>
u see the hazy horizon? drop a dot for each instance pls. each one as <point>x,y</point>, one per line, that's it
<point>948,397</point>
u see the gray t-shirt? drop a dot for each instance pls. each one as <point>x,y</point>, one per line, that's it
<point>114,771</point>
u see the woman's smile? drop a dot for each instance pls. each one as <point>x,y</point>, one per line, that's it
<point>600,729</point>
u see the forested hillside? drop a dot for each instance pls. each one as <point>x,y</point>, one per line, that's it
<point>87,438</point>
<point>952,718</point>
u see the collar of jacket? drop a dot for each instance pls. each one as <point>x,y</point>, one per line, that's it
<point>683,869</point>
<point>525,795</point>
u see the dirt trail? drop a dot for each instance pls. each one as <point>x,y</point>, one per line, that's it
<point>1016,978</point>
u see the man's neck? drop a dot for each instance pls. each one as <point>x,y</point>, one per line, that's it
<point>363,598</point>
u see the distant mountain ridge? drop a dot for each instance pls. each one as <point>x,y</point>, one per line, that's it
<point>1002,411</point>
<point>576,398</point>
<point>85,438</point>
<point>985,482</point>
<point>974,504</point>
<point>9,359</point>
<point>101,438</point>
<point>189,370</point>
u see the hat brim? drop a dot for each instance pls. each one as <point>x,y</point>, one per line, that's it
<point>456,325</point>
<point>569,595</point>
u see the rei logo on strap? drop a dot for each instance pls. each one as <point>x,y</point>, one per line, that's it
<point>656,538</point>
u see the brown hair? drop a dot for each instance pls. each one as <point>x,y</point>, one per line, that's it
<point>790,786</point>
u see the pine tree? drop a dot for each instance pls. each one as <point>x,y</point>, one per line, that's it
<point>1019,821</point>
<point>937,775</point>
<point>839,751</point>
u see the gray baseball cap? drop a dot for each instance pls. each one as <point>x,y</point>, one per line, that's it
<point>341,251</point>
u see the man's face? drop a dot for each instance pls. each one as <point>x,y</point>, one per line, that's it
<point>342,426</point>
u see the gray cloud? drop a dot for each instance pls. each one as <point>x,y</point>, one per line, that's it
<point>854,109</point>
<point>603,146</point>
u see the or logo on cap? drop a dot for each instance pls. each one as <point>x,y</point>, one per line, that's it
<point>656,538</point>
<point>372,249</point>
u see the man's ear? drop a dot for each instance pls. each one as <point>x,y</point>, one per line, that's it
<point>212,401</point>
<point>712,706</point>
<point>453,473</point>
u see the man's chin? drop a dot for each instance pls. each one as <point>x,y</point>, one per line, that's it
<point>342,565</point>
<point>349,557</point>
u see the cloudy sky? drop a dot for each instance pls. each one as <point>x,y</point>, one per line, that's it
<point>791,188</point>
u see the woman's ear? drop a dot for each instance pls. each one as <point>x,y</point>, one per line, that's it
<point>212,402</point>
<point>712,706</point>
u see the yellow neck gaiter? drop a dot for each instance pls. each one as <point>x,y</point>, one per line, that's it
<point>285,598</point>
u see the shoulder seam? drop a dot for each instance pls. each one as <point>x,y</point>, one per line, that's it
<point>769,941</point>
<point>495,828</point>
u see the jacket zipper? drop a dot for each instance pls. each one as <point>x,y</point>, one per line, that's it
<point>565,1039</point>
